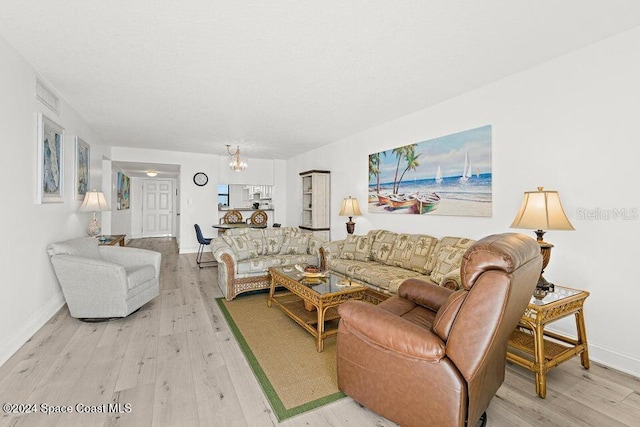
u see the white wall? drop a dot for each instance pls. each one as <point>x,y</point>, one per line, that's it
<point>568,125</point>
<point>29,291</point>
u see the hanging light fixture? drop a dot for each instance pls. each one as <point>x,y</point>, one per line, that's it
<point>236,163</point>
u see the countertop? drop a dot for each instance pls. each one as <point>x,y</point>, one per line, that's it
<point>243,209</point>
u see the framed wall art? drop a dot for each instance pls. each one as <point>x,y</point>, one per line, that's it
<point>123,191</point>
<point>50,161</point>
<point>450,175</point>
<point>83,163</point>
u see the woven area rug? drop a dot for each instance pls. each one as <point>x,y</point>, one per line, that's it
<point>293,375</point>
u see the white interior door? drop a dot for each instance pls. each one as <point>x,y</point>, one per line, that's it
<point>157,207</point>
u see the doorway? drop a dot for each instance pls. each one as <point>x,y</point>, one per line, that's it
<point>157,207</point>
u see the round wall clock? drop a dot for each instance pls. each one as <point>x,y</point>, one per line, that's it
<point>200,179</point>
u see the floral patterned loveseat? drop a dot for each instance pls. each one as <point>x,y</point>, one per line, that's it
<point>383,259</point>
<point>245,255</point>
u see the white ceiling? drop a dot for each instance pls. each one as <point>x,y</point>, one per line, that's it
<point>280,77</point>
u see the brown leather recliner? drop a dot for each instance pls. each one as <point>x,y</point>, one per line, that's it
<point>430,356</point>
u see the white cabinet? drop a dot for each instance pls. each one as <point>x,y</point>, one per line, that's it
<point>316,196</point>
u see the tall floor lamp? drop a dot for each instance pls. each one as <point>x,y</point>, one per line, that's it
<point>542,210</point>
<point>94,201</point>
<point>350,208</point>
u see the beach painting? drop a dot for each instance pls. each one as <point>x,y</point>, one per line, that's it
<point>82,168</point>
<point>449,175</point>
<point>123,191</point>
<point>50,164</point>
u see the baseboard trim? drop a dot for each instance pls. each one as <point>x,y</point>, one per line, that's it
<point>188,250</point>
<point>614,360</point>
<point>35,322</point>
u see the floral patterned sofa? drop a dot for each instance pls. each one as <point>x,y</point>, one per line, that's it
<point>383,259</point>
<point>245,255</point>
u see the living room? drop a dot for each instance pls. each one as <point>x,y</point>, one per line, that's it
<point>563,122</point>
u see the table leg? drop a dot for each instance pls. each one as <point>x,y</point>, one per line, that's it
<point>541,374</point>
<point>320,329</point>
<point>272,289</point>
<point>582,339</point>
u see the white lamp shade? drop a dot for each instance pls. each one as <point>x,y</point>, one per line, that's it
<point>541,210</point>
<point>94,201</point>
<point>350,207</point>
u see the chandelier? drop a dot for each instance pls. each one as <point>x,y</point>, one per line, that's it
<point>235,162</point>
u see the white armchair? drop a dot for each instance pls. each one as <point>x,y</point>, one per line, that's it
<point>104,281</point>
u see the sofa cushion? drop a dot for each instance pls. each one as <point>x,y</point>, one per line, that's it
<point>456,242</point>
<point>257,237</point>
<point>356,248</point>
<point>412,251</point>
<point>347,267</point>
<point>86,247</point>
<point>382,245</point>
<point>298,245</point>
<point>273,244</point>
<point>261,264</point>
<point>243,247</point>
<point>384,277</point>
<point>449,259</point>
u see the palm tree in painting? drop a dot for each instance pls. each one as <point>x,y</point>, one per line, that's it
<point>411,158</point>
<point>399,153</point>
<point>374,169</point>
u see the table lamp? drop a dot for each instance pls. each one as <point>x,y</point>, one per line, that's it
<point>350,208</point>
<point>94,201</point>
<point>542,210</point>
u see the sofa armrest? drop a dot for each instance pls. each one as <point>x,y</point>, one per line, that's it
<point>390,331</point>
<point>131,257</point>
<point>333,249</point>
<point>315,244</point>
<point>219,247</point>
<point>424,293</point>
<point>75,274</point>
<point>452,280</point>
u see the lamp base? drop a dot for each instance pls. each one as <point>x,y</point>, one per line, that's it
<point>545,250</point>
<point>351,226</point>
<point>93,229</point>
<point>544,285</point>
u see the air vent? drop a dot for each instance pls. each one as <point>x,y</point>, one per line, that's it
<point>46,96</point>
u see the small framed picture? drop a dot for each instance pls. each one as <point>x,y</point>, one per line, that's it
<point>50,161</point>
<point>83,163</point>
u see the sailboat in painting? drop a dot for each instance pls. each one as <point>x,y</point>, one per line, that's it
<point>439,175</point>
<point>466,173</point>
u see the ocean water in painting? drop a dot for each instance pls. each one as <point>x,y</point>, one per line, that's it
<point>450,175</point>
<point>476,189</point>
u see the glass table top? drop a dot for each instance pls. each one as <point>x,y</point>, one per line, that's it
<point>544,298</point>
<point>328,283</point>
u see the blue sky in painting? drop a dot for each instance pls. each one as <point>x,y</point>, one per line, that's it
<point>447,152</point>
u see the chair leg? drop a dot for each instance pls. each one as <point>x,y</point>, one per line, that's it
<point>204,264</point>
<point>199,255</point>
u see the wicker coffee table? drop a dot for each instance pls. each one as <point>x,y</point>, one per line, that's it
<point>313,301</point>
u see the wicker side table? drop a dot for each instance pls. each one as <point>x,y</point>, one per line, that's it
<point>538,350</point>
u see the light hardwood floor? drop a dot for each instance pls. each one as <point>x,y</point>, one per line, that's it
<point>177,364</point>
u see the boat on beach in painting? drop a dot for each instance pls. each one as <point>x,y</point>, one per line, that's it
<point>425,202</point>
<point>401,201</point>
<point>383,199</point>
